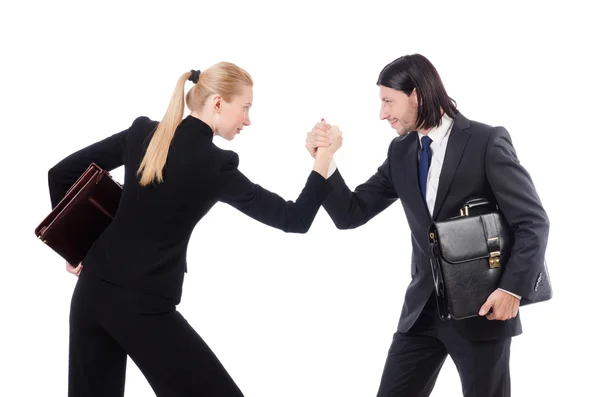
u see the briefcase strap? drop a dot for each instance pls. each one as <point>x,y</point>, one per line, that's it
<point>438,281</point>
<point>491,230</point>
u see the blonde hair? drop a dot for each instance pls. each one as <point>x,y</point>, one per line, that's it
<point>224,79</point>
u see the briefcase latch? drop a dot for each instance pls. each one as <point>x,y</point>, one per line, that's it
<point>494,259</point>
<point>464,211</point>
<point>41,234</point>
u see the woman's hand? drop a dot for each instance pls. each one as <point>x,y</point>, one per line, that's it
<point>74,270</point>
<point>319,136</point>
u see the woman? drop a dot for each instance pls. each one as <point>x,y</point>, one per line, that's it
<point>126,296</point>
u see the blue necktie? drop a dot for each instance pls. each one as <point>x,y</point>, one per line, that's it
<point>424,162</point>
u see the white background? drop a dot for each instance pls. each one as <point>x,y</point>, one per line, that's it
<point>314,314</point>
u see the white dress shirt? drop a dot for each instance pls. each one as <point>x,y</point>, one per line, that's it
<point>439,137</point>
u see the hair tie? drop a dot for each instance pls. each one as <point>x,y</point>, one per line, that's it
<point>194,76</point>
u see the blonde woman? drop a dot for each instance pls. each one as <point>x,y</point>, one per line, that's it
<point>131,279</point>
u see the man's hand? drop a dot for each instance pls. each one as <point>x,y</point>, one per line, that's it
<point>320,136</point>
<point>334,145</point>
<point>74,270</point>
<point>504,305</point>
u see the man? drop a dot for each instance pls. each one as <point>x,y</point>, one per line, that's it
<point>439,161</point>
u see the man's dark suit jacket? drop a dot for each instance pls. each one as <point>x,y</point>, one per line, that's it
<point>480,161</point>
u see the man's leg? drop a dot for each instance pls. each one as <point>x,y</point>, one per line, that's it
<point>483,366</point>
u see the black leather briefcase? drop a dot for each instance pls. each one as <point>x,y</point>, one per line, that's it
<point>468,254</point>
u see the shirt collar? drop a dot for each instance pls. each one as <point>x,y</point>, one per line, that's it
<point>437,134</point>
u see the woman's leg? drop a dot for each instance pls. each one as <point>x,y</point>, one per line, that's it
<point>97,363</point>
<point>171,355</point>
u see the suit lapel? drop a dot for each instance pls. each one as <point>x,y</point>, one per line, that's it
<point>409,175</point>
<point>459,136</point>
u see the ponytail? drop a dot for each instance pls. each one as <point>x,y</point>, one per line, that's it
<point>155,158</point>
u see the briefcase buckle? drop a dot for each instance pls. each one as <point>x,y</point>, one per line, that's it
<point>494,259</point>
<point>464,211</point>
<point>41,235</point>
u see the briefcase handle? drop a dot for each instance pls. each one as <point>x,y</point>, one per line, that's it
<point>475,203</point>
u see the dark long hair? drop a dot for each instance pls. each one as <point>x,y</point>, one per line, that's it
<point>414,71</point>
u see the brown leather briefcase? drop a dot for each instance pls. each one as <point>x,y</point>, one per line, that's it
<point>82,215</point>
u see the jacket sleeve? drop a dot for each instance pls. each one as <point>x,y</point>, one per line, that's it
<point>522,208</point>
<point>268,207</point>
<point>350,209</point>
<point>107,153</point>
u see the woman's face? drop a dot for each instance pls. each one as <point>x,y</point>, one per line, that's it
<point>234,115</point>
